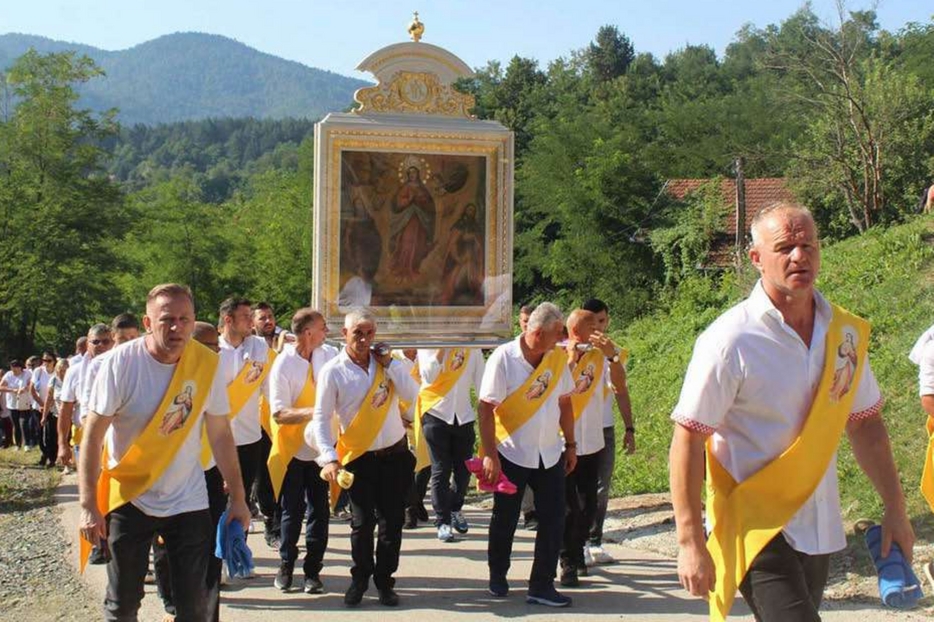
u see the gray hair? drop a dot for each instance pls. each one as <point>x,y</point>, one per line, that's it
<point>98,329</point>
<point>772,209</point>
<point>545,315</point>
<point>357,315</point>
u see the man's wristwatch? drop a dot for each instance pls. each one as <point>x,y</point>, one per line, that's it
<point>630,429</point>
<point>614,358</point>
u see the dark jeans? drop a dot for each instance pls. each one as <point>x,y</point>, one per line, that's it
<point>48,439</point>
<point>303,488</point>
<point>548,490</point>
<point>604,480</point>
<point>188,541</point>
<point>450,446</point>
<point>581,492</point>
<point>784,585</point>
<point>377,501</point>
<point>19,426</point>
<point>217,503</point>
<point>249,457</point>
<point>32,428</point>
<point>262,488</point>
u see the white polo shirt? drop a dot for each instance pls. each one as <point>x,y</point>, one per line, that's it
<point>71,388</point>
<point>40,380</point>
<point>455,407</point>
<point>342,385</point>
<point>129,388</point>
<point>923,356</point>
<point>287,379</point>
<point>588,429</point>
<point>750,385</point>
<point>539,439</point>
<point>245,425</point>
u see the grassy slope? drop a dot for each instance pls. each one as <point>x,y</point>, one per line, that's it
<point>884,276</point>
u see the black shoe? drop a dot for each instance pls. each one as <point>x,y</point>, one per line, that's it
<point>354,594</point>
<point>313,585</point>
<point>531,523</point>
<point>548,597</point>
<point>499,587</point>
<point>388,597</point>
<point>272,539</point>
<point>569,576</point>
<point>98,556</point>
<point>421,513</point>
<point>284,576</point>
<point>411,519</point>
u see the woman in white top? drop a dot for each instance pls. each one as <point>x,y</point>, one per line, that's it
<point>15,388</point>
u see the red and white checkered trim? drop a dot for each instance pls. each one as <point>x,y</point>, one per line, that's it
<point>693,426</point>
<point>868,413</point>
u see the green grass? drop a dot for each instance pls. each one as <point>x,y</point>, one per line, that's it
<point>885,276</point>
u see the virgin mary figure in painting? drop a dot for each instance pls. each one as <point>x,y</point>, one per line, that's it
<point>412,226</point>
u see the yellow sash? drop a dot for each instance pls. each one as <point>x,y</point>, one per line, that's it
<point>288,439</point>
<point>76,435</point>
<point>525,401</point>
<point>247,382</point>
<point>746,516</point>
<point>588,369</point>
<point>155,448</point>
<point>366,424</point>
<point>927,476</point>
<point>264,414</point>
<point>455,362</point>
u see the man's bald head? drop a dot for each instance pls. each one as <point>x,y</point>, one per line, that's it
<point>581,324</point>
<point>766,215</point>
<point>206,333</point>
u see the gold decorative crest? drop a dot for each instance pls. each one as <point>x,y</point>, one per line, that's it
<point>415,92</point>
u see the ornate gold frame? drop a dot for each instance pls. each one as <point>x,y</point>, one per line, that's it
<point>401,134</point>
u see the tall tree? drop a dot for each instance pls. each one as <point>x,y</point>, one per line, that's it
<point>610,54</point>
<point>59,211</point>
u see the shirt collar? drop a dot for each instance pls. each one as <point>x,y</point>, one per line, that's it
<point>761,305</point>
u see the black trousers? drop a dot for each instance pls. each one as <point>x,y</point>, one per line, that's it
<point>19,426</point>
<point>249,457</point>
<point>303,488</point>
<point>377,501</point>
<point>784,585</point>
<point>217,503</point>
<point>188,540</point>
<point>48,441</point>
<point>604,482</point>
<point>262,487</point>
<point>6,423</point>
<point>416,495</point>
<point>32,428</point>
<point>450,446</point>
<point>581,493</point>
<point>548,490</point>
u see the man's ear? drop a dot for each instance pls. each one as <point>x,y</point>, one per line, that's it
<point>755,258</point>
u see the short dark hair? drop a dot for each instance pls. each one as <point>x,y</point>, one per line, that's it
<point>232,304</point>
<point>304,317</point>
<point>263,306</point>
<point>527,309</point>
<point>125,320</point>
<point>16,363</point>
<point>49,354</point>
<point>595,305</point>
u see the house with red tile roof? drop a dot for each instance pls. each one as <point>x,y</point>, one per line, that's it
<point>745,198</point>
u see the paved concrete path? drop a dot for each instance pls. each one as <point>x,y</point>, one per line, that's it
<point>441,582</point>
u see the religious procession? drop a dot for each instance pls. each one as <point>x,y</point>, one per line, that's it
<point>414,408</point>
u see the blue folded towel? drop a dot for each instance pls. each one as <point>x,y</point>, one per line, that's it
<point>231,546</point>
<point>898,585</point>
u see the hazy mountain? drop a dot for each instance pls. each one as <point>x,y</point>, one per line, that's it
<point>190,75</point>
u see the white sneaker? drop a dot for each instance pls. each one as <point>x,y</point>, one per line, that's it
<point>588,557</point>
<point>600,556</point>
<point>445,534</point>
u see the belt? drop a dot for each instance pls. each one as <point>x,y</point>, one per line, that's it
<point>397,447</point>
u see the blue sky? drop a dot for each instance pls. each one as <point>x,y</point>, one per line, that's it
<point>336,35</point>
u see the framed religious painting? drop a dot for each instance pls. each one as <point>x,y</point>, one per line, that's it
<point>413,208</point>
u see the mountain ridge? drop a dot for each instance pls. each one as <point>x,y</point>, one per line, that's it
<point>187,76</point>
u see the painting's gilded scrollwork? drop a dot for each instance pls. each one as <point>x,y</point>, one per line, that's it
<point>419,92</point>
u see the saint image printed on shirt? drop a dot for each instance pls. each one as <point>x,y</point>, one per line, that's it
<point>845,368</point>
<point>412,229</point>
<point>179,410</point>
<point>457,359</point>
<point>539,386</point>
<point>256,370</point>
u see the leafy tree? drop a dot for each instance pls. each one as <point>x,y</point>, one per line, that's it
<point>59,211</point>
<point>610,54</point>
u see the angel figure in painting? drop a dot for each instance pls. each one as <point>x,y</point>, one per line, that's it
<point>412,226</point>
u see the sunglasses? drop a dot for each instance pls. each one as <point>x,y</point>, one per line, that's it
<point>48,360</point>
<point>97,342</point>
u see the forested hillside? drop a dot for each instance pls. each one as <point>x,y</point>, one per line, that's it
<point>191,75</point>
